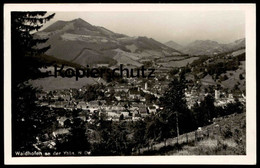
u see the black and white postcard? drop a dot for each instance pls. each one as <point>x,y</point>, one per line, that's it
<point>130,83</point>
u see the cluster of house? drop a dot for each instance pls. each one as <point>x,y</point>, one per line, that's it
<point>65,101</point>
<point>128,93</point>
<point>193,96</point>
<point>221,98</point>
<point>111,112</point>
<point>129,104</point>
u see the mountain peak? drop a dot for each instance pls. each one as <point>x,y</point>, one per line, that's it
<point>78,20</point>
<point>208,42</point>
<point>60,24</point>
<point>81,23</point>
<point>174,45</point>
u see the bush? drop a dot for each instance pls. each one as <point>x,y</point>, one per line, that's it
<point>241,77</point>
<point>227,133</point>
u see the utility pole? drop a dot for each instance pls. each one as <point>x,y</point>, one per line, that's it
<point>177,127</point>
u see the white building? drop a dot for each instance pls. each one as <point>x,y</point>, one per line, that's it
<point>217,94</point>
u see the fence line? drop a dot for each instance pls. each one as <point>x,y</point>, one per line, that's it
<point>195,136</point>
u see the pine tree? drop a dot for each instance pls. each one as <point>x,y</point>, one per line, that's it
<point>25,127</point>
<point>208,108</point>
<point>175,111</point>
<point>24,44</point>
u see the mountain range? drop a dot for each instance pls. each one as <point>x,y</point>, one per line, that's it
<point>80,42</point>
<point>207,47</point>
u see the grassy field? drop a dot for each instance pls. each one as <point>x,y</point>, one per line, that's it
<point>226,136</point>
<point>180,63</point>
<point>126,58</point>
<point>171,58</point>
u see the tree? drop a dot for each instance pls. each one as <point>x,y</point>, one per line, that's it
<point>24,133</point>
<point>121,117</point>
<point>24,44</point>
<point>207,109</point>
<point>120,139</point>
<point>164,130</point>
<point>241,77</point>
<point>152,127</point>
<point>26,116</point>
<point>199,115</point>
<point>77,140</point>
<point>235,107</point>
<point>225,77</point>
<point>139,134</point>
<point>28,120</point>
<point>113,139</point>
<point>175,110</point>
<point>67,123</point>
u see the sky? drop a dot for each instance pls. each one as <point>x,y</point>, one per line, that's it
<point>182,27</point>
